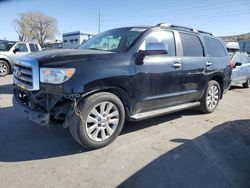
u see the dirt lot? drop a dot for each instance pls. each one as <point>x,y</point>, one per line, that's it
<point>185,149</point>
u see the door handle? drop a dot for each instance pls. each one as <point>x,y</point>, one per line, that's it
<point>176,65</point>
<point>208,63</point>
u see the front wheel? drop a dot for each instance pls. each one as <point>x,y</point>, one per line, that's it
<point>211,97</point>
<point>99,121</point>
<point>247,84</point>
<point>4,68</point>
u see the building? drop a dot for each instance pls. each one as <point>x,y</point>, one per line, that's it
<point>245,46</point>
<point>57,44</point>
<point>75,39</point>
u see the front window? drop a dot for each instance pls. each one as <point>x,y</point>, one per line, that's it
<point>166,38</point>
<point>115,40</point>
<point>5,45</point>
<point>22,47</point>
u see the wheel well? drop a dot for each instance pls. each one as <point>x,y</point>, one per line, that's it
<point>219,79</point>
<point>2,59</point>
<point>120,93</point>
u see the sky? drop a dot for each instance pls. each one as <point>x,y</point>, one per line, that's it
<point>221,17</point>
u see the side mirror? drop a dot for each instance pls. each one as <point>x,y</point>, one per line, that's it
<point>237,64</point>
<point>154,48</point>
<point>16,50</point>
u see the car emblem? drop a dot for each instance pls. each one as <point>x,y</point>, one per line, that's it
<point>18,72</point>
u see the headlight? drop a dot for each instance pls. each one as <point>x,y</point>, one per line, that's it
<point>55,75</point>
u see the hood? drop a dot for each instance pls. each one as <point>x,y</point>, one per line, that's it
<point>62,56</point>
<point>4,52</point>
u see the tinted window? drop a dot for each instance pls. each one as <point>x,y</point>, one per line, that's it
<point>164,37</point>
<point>22,47</point>
<point>214,47</point>
<point>191,45</point>
<point>32,48</point>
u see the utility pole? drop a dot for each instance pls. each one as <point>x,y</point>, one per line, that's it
<point>99,21</point>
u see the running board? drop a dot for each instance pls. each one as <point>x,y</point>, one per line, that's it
<point>158,112</point>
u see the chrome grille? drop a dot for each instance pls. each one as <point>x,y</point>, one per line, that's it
<point>26,74</point>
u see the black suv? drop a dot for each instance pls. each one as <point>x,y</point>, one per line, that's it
<point>129,73</point>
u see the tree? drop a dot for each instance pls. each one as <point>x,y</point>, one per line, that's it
<point>35,26</point>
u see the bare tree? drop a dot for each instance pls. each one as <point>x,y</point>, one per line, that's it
<point>35,26</point>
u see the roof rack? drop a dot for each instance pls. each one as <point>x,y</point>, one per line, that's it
<point>183,27</point>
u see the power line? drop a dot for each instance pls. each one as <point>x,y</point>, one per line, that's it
<point>197,9</point>
<point>185,17</point>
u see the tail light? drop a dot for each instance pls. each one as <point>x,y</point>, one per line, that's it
<point>231,63</point>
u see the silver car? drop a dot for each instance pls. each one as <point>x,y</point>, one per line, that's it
<point>241,70</point>
<point>10,50</point>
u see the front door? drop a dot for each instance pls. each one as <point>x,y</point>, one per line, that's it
<point>158,77</point>
<point>237,74</point>
<point>20,49</point>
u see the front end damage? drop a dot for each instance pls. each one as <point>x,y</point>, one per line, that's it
<point>42,108</point>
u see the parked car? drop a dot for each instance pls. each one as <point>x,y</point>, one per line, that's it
<point>241,70</point>
<point>131,73</point>
<point>11,50</point>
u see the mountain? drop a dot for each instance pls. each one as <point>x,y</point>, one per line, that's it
<point>236,38</point>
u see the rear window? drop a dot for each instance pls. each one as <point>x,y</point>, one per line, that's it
<point>191,45</point>
<point>214,47</point>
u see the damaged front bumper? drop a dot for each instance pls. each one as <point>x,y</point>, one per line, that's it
<point>40,118</point>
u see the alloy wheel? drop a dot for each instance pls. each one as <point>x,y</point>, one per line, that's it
<point>102,121</point>
<point>212,97</point>
<point>3,69</point>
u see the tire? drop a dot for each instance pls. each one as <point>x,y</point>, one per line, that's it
<point>93,129</point>
<point>205,106</point>
<point>4,68</point>
<point>247,84</point>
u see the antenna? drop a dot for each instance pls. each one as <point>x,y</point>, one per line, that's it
<point>99,21</point>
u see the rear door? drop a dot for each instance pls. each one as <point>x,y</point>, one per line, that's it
<point>218,59</point>
<point>193,70</point>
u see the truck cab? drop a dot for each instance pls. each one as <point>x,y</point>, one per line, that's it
<point>11,50</point>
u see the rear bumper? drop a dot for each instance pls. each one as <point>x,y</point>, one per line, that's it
<point>40,118</point>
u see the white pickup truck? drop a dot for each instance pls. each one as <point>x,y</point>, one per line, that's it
<point>9,51</point>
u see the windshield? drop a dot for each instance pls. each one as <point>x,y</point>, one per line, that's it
<point>115,40</point>
<point>6,45</point>
<point>231,55</point>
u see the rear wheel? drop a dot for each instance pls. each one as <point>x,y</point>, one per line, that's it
<point>4,68</point>
<point>211,97</point>
<point>247,84</point>
<point>99,122</point>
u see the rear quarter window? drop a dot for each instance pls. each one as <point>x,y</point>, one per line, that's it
<point>191,45</point>
<point>32,48</point>
<point>214,47</point>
